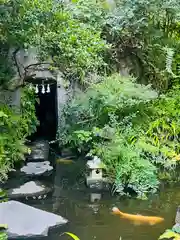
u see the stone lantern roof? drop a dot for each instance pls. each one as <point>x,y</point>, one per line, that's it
<point>96,163</point>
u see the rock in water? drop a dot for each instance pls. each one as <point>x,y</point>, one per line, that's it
<point>176,227</point>
<point>32,189</point>
<point>177,219</point>
<point>39,151</point>
<point>26,221</point>
<point>37,168</point>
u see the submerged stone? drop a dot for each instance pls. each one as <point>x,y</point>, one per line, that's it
<point>37,168</point>
<point>32,189</point>
<point>66,153</point>
<point>26,221</point>
<point>39,151</point>
<point>176,228</point>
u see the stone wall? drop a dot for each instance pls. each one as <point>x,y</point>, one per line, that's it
<point>11,98</point>
<point>28,60</point>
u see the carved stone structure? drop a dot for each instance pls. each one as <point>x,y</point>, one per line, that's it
<point>29,69</point>
<point>94,178</point>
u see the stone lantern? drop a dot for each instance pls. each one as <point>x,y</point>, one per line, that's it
<point>95,169</point>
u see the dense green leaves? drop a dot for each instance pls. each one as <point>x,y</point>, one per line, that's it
<point>135,132</point>
<point>104,120</point>
<point>75,47</point>
<point>141,30</point>
<point>162,137</point>
<point>133,129</point>
<point>15,126</point>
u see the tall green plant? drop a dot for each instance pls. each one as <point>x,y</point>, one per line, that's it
<point>113,96</point>
<point>74,46</point>
<point>15,126</point>
<point>162,137</point>
<point>104,120</point>
<point>142,30</point>
<point>127,167</point>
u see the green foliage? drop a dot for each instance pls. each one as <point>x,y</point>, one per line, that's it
<point>142,30</point>
<point>3,196</point>
<point>3,234</point>
<point>75,47</point>
<point>6,71</point>
<point>129,127</point>
<point>127,167</point>
<point>73,35</point>
<point>145,32</point>
<point>162,137</point>
<point>15,126</point>
<point>117,119</point>
<point>91,12</point>
<point>79,49</point>
<point>104,120</point>
<point>28,112</point>
<point>114,95</point>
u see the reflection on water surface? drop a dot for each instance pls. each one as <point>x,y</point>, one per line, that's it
<point>93,220</point>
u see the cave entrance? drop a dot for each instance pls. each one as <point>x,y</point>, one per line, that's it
<point>46,112</point>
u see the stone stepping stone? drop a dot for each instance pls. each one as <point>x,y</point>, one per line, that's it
<point>25,221</point>
<point>37,168</point>
<point>29,190</point>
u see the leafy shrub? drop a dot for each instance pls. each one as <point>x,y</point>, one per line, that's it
<point>3,234</point>
<point>15,126</point>
<point>75,47</point>
<point>104,120</point>
<point>146,32</point>
<point>161,140</point>
<point>126,166</point>
<point>142,31</point>
<point>91,12</point>
<point>114,96</point>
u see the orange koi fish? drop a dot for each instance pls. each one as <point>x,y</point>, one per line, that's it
<point>138,219</point>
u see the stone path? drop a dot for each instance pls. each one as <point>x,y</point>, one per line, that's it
<point>29,190</point>
<point>37,168</point>
<point>27,221</point>
<point>23,220</point>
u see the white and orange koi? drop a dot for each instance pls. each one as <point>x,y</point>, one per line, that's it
<point>138,219</point>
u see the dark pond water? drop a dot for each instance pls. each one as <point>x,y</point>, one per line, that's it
<point>91,221</point>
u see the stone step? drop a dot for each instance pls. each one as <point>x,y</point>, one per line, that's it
<point>37,169</point>
<point>25,221</point>
<point>30,190</point>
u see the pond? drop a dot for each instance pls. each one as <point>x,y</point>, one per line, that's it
<point>91,221</point>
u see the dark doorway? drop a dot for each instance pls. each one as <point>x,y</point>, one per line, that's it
<point>46,112</point>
